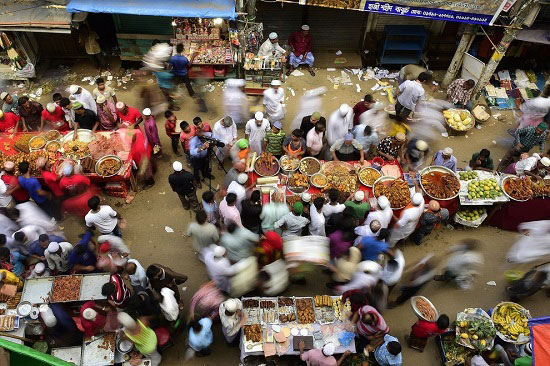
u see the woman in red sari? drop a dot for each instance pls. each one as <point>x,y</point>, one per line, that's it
<point>77,189</point>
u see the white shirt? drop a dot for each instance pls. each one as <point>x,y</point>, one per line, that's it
<point>219,269</point>
<point>406,224</point>
<point>338,126</point>
<point>69,116</point>
<point>278,278</point>
<point>526,164</point>
<point>31,214</point>
<point>411,93</point>
<point>235,104</point>
<point>108,92</point>
<point>383,216</point>
<point>317,225</point>
<point>365,141</point>
<point>224,134</point>
<point>256,134</point>
<point>230,324</point>
<point>360,281</point>
<point>5,199</point>
<point>329,209</point>
<point>33,273</point>
<point>273,102</point>
<point>239,190</point>
<point>86,98</point>
<point>32,232</point>
<point>117,244</point>
<point>314,141</point>
<point>61,261</point>
<point>104,220</point>
<point>267,49</point>
<point>139,278</point>
<point>477,360</point>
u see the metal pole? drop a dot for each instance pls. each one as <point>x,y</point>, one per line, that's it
<point>502,47</point>
<point>456,62</point>
<point>251,10</point>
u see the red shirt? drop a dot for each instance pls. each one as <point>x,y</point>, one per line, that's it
<point>130,118</point>
<point>206,127</point>
<point>56,120</point>
<point>170,128</point>
<point>185,137</point>
<point>424,329</point>
<point>9,121</point>
<point>92,327</point>
<point>20,194</point>
<point>70,184</point>
<point>301,44</point>
<point>121,293</point>
<point>51,181</point>
<point>358,110</point>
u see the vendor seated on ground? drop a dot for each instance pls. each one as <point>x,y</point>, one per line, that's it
<point>347,149</point>
<point>481,161</point>
<point>445,158</point>
<point>300,42</point>
<point>391,147</point>
<point>387,351</point>
<point>271,48</point>
<point>459,93</point>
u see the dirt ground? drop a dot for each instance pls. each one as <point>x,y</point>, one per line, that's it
<point>158,207</point>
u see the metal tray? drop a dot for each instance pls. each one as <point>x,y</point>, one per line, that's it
<point>253,314</point>
<point>418,313</point>
<point>37,290</point>
<point>82,134</point>
<point>36,138</point>
<point>367,168</point>
<point>271,175</point>
<point>275,309</point>
<point>92,355</point>
<point>90,288</point>
<point>503,183</point>
<point>310,158</point>
<point>102,159</point>
<point>69,354</point>
<point>79,291</point>
<point>383,179</point>
<point>440,169</point>
<point>287,171</point>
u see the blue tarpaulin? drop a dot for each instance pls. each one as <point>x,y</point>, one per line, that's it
<point>168,8</point>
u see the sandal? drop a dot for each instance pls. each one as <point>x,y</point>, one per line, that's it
<point>311,72</point>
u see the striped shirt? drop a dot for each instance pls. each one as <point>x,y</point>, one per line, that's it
<point>364,329</point>
<point>121,293</point>
<point>274,142</point>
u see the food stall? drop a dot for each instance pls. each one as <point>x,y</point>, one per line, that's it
<point>207,44</point>
<point>276,325</point>
<point>103,155</point>
<point>260,71</point>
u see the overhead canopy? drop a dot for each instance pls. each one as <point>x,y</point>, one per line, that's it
<point>28,17</point>
<point>169,8</point>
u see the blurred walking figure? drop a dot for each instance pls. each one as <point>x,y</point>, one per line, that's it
<point>235,103</point>
<point>274,98</point>
<point>463,265</point>
<point>309,103</point>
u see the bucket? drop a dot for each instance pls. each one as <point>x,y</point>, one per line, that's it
<point>378,160</point>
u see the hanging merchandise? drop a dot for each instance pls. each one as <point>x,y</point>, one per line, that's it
<point>253,34</point>
<point>17,57</point>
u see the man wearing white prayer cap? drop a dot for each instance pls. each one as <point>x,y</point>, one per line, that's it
<point>231,316</point>
<point>255,130</point>
<point>270,48</point>
<point>83,96</point>
<point>445,158</point>
<point>383,213</point>
<point>410,216</point>
<point>53,118</point>
<point>182,182</point>
<point>323,356</point>
<point>274,97</point>
<point>218,267</point>
<point>301,43</point>
<point>39,270</point>
<point>57,256</point>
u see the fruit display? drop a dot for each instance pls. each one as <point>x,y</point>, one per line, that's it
<point>324,312</point>
<point>66,288</point>
<point>510,321</point>
<point>470,214</point>
<point>396,190</point>
<point>266,165</point>
<point>484,189</point>
<point>467,175</point>
<point>460,120</point>
<point>304,309</point>
<point>310,166</point>
<point>368,176</point>
<point>455,354</point>
<point>286,309</point>
<point>475,329</point>
<point>518,189</point>
<point>440,185</point>
<point>253,333</point>
<point>268,311</point>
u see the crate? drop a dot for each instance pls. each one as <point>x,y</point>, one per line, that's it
<point>201,71</point>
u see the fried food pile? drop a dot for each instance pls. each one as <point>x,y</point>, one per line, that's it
<point>289,163</point>
<point>368,176</point>
<point>266,164</point>
<point>253,332</point>
<point>297,180</point>
<point>66,288</point>
<point>397,192</point>
<point>440,185</point>
<point>109,166</point>
<point>309,166</point>
<point>519,189</point>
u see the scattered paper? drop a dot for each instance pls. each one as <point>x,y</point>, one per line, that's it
<point>110,77</point>
<point>331,69</point>
<point>297,73</point>
<point>494,142</point>
<point>162,192</point>
<point>358,88</point>
<point>168,229</point>
<point>338,53</point>
<point>479,127</point>
<point>445,134</point>
<point>491,283</point>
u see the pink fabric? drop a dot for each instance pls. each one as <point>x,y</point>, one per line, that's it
<point>366,329</point>
<point>315,357</point>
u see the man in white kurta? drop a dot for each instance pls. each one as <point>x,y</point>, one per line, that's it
<point>408,221</point>
<point>225,130</point>
<point>232,318</point>
<point>218,267</point>
<point>338,124</point>
<point>235,103</point>
<point>83,96</point>
<point>383,214</point>
<point>271,48</point>
<point>255,130</point>
<point>274,98</point>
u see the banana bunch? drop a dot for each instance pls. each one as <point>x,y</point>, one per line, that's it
<point>511,320</point>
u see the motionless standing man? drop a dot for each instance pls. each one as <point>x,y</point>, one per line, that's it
<point>181,182</point>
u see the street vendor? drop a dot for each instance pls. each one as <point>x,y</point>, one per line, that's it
<point>415,154</point>
<point>371,326</point>
<point>408,95</point>
<point>232,318</point>
<point>93,318</point>
<point>84,118</point>
<point>271,48</point>
<point>535,166</point>
<point>274,138</point>
<point>481,161</point>
<point>431,219</point>
<point>301,44</point>
<point>524,140</point>
<point>30,113</point>
<point>54,117</point>
<point>295,145</point>
<point>321,357</point>
<point>255,131</point>
<point>8,122</point>
<point>10,103</point>
<point>391,147</point>
<point>129,116</point>
<point>274,98</point>
<point>459,93</point>
<point>347,149</point>
<point>445,158</point>
<point>422,330</point>
<point>106,113</point>
<point>83,96</point>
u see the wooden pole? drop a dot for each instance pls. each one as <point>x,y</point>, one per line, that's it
<point>456,62</point>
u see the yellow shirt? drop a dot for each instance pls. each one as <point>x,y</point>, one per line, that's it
<point>145,341</point>
<point>11,279</point>
<point>399,127</point>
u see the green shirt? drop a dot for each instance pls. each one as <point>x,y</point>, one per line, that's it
<point>359,209</point>
<point>145,341</point>
<point>274,142</point>
<point>487,163</point>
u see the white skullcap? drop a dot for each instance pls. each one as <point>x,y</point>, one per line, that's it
<point>242,178</point>
<point>344,109</point>
<point>305,27</point>
<point>219,251</point>
<point>417,199</point>
<point>126,321</point>
<point>369,266</point>
<point>177,166</point>
<point>146,112</point>
<point>359,196</point>
<point>306,197</point>
<point>448,151</point>
<point>231,305</point>
<point>275,82</point>
<point>259,116</point>
<point>50,107</point>
<point>421,145</point>
<point>3,95</point>
<point>120,105</point>
<point>73,89</point>
<point>53,247</point>
<point>39,267</point>
<point>273,35</point>
<point>100,99</point>
<point>89,314</point>
<point>383,202</point>
<point>545,161</point>
<point>328,349</point>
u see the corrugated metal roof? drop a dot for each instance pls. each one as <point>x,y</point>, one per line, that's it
<point>34,16</point>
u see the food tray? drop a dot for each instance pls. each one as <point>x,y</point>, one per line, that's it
<point>299,319</point>
<point>502,184</point>
<point>308,158</point>
<point>102,159</point>
<point>251,346</point>
<point>285,158</point>
<point>82,135</point>
<point>95,353</point>
<point>252,314</point>
<point>522,339</point>
<point>52,135</point>
<point>318,185</point>
<point>470,314</point>
<point>382,180</point>
<point>269,316</point>
<point>57,278</point>
<point>51,143</point>
<point>36,138</point>
<point>14,325</point>
<point>418,313</point>
<point>441,169</point>
<point>90,288</point>
<point>37,290</point>
<point>297,190</point>
<point>324,314</point>
<point>69,354</point>
<point>329,166</point>
<point>286,309</point>
<point>270,175</point>
<point>367,168</point>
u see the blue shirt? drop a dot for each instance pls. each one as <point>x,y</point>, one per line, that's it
<point>16,260</point>
<point>371,248</point>
<point>36,249</point>
<point>384,357</point>
<point>164,79</point>
<point>450,163</point>
<point>194,144</point>
<point>32,185</point>
<point>204,338</point>
<point>179,64</point>
<point>87,257</point>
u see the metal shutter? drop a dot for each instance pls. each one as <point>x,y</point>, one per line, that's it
<point>384,19</point>
<point>143,24</point>
<point>282,18</point>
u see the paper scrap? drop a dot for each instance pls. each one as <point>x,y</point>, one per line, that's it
<point>491,283</point>
<point>269,349</point>
<point>280,337</point>
<point>445,134</point>
<point>358,88</point>
<point>338,53</point>
<point>331,69</point>
<point>297,73</point>
<point>168,229</point>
